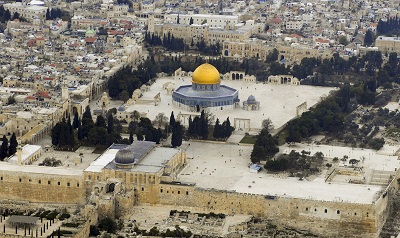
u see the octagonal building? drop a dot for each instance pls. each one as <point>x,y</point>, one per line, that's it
<point>206,92</point>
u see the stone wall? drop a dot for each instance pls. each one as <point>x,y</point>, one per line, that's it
<point>321,217</point>
<point>42,188</point>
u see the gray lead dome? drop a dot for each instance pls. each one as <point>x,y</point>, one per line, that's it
<point>125,156</point>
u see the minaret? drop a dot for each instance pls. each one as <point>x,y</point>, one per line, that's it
<point>19,153</point>
<point>64,91</point>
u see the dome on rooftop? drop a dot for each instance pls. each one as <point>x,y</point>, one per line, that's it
<point>125,156</point>
<point>206,74</point>
<point>251,98</point>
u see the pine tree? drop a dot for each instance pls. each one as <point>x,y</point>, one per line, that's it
<point>4,148</point>
<point>13,145</point>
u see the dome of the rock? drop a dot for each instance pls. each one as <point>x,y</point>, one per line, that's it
<point>206,74</point>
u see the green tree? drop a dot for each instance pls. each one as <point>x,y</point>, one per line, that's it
<point>4,148</point>
<point>343,40</point>
<point>100,121</point>
<point>13,145</point>
<point>7,15</point>
<point>130,137</point>
<point>177,134</point>
<point>87,122</point>
<point>110,124</point>
<point>108,224</point>
<point>369,38</point>
<point>124,96</point>
<point>217,130</point>
<point>272,56</point>
<point>76,121</point>
<point>265,147</point>
<point>172,120</point>
<point>80,133</point>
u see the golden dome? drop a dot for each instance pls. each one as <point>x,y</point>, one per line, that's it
<point>206,74</point>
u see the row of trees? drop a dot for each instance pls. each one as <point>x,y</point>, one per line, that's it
<point>389,27</point>
<point>122,84</point>
<point>168,41</point>
<point>224,130</point>
<point>62,134</point>
<point>8,148</point>
<point>65,133</point>
<point>57,13</point>
<point>5,15</point>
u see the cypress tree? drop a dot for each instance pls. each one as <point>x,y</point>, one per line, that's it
<point>80,132</point>
<point>228,128</point>
<point>176,139</point>
<point>76,121</point>
<point>217,130</point>
<point>172,120</point>
<point>110,124</point>
<point>13,144</point>
<point>130,137</point>
<point>4,148</point>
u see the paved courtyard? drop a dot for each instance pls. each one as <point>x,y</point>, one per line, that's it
<point>225,167</point>
<point>277,102</point>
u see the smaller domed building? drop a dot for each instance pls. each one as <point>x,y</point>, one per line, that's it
<point>206,92</point>
<point>251,104</point>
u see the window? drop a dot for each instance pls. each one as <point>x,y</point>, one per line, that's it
<point>77,184</point>
<point>306,209</point>
<point>142,188</point>
<point>187,193</point>
<point>315,209</point>
<point>68,184</point>
<point>20,180</point>
<point>1,178</point>
<point>161,190</point>
<point>48,182</point>
<point>326,210</point>
<point>179,192</point>
<point>40,181</point>
<point>58,183</point>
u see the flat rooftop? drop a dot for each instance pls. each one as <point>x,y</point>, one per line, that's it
<point>34,169</point>
<point>225,167</point>
<point>151,159</point>
<point>277,102</point>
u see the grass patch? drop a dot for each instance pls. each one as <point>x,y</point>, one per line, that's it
<point>248,139</point>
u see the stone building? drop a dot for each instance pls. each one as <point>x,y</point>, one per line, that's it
<point>251,104</point>
<point>388,44</point>
<point>143,173</point>
<point>283,79</point>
